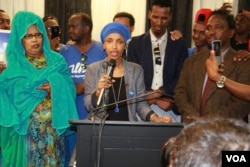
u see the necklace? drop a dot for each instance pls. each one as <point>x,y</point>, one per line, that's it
<point>118,96</point>
<point>39,62</point>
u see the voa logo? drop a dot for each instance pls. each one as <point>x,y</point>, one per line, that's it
<point>236,158</point>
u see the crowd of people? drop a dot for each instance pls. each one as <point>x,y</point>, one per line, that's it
<point>151,77</point>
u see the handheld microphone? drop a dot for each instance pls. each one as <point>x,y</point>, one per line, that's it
<point>111,66</point>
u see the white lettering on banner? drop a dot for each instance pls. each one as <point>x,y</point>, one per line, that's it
<point>236,158</point>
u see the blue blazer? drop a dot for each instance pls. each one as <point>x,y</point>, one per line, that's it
<point>140,52</point>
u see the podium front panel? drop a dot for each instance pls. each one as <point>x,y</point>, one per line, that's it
<point>122,144</point>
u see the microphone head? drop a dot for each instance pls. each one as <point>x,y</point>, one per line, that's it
<point>112,63</point>
<point>105,64</point>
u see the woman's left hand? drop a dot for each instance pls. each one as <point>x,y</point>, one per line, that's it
<point>45,87</point>
<point>156,118</point>
<point>166,119</point>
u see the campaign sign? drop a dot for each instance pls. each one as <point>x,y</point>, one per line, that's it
<point>235,158</point>
<point>4,36</point>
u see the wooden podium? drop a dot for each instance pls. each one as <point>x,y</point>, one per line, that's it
<point>121,143</point>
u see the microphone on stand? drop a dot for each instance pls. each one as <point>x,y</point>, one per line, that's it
<point>110,68</point>
<point>92,113</point>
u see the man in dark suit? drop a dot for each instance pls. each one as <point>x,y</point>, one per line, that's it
<point>161,58</point>
<point>191,87</point>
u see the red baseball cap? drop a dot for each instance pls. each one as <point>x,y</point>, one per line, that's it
<point>202,15</point>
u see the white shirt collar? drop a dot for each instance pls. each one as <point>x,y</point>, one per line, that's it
<point>161,39</point>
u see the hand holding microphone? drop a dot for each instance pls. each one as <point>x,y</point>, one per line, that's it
<point>104,82</point>
<point>212,68</point>
<point>106,79</point>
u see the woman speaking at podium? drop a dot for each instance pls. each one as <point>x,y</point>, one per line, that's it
<point>114,88</point>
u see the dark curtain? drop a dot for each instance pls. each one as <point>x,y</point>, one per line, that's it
<point>244,4</point>
<point>181,20</point>
<point>63,9</point>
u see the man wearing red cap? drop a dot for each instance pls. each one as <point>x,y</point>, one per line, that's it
<point>199,30</point>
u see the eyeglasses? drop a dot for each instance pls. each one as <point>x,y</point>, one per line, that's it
<point>36,35</point>
<point>7,21</point>
<point>83,61</point>
<point>157,55</point>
